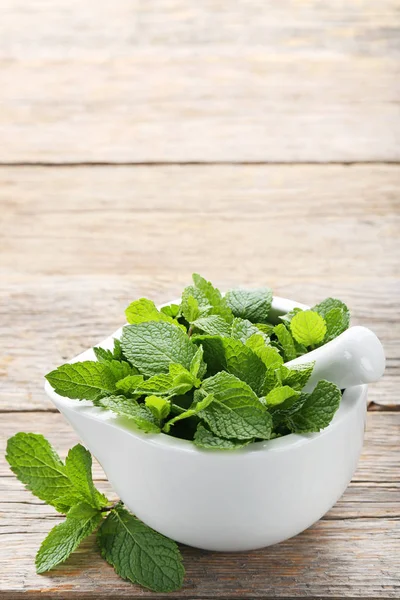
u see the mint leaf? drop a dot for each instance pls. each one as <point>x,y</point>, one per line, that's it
<point>160,407</point>
<point>242,362</point>
<point>265,328</point>
<point>194,304</point>
<point>336,315</point>
<point>190,308</point>
<point>337,321</point>
<point>64,538</point>
<point>117,353</point>
<point>213,325</point>
<point>235,412</point>
<point>127,407</point>
<point>78,467</point>
<point>87,380</point>
<point>308,327</point>
<point>271,380</point>
<point>39,467</point>
<point>268,355</point>
<point>153,346</point>
<point>297,376</point>
<point>139,553</point>
<point>324,307</point>
<point>182,378</point>
<point>128,385</point>
<point>317,409</point>
<point>103,355</point>
<point>172,310</point>
<point>253,305</point>
<point>143,310</point>
<point>280,394</point>
<point>233,356</point>
<point>243,329</point>
<point>191,412</point>
<point>203,438</point>
<point>289,316</point>
<point>198,367</point>
<point>214,297</point>
<point>121,369</point>
<point>286,342</point>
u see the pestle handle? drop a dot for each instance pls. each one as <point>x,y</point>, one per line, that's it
<point>353,358</point>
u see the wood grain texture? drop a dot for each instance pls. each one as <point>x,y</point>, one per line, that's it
<point>176,81</point>
<point>352,552</point>
<point>78,245</point>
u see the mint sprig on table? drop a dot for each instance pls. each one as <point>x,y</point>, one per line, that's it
<point>137,552</point>
<point>210,370</point>
<point>223,348</point>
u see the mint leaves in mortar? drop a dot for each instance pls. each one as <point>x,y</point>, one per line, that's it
<point>209,370</point>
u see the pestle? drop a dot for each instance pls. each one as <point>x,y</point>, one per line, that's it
<point>353,358</point>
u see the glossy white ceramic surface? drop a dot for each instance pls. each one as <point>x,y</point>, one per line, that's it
<point>227,501</point>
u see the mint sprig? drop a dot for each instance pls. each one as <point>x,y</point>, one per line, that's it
<point>137,552</point>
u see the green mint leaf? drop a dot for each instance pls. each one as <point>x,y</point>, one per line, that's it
<point>63,539</point>
<point>308,327</point>
<point>128,385</point>
<point>103,355</point>
<point>198,367</point>
<point>172,310</point>
<point>218,303</point>
<point>289,316</point>
<point>194,304</point>
<point>190,308</point>
<point>317,409</point>
<point>204,438</point>
<point>337,321</point>
<point>191,412</point>
<point>143,311</point>
<point>286,342</point>
<point>245,364</point>
<point>236,411</point>
<point>182,377</point>
<point>235,357</point>
<point>87,380</point>
<point>38,466</point>
<point>117,353</point>
<point>78,467</point>
<point>160,407</point>
<point>279,395</point>
<point>253,305</point>
<point>139,553</point>
<point>213,325</point>
<point>324,307</point>
<point>271,380</point>
<point>265,328</point>
<point>297,376</point>
<point>121,369</point>
<point>127,407</point>
<point>153,346</point>
<point>243,329</point>
<point>268,354</point>
<point>214,352</point>
<point>336,315</point>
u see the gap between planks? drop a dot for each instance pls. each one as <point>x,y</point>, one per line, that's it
<point>194,163</point>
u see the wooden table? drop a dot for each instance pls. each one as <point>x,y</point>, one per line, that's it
<point>254,142</point>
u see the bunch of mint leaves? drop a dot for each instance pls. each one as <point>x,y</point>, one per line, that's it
<point>210,370</point>
<point>137,552</point>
